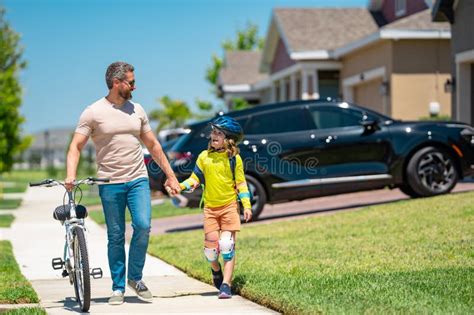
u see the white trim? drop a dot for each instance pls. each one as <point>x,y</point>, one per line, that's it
<point>273,96</point>
<point>364,76</point>
<point>293,87</point>
<point>315,76</point>
<point>465,56</point>
<point>415,34</point>
<point>311,55</point>
<point>463,85</point>
<point>390,34</point>
<point>232,88</point>
<point>282,85</point>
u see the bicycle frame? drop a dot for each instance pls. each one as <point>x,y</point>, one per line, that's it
<point>69,226</point>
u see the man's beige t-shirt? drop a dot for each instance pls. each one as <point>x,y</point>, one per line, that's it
<point>115,131</point>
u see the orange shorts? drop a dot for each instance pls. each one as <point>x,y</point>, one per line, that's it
<point>224,218</point>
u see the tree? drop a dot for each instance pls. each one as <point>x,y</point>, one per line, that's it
<point>11,63</point>
<point>173,114</point>
<point>246,39</point>
<point>239,104</point>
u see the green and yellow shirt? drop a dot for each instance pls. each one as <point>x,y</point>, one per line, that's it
<point>214,168</point>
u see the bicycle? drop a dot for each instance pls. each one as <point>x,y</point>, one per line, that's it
<point>75,261</point>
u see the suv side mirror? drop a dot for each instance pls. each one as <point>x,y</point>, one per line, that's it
<point>369,125</point>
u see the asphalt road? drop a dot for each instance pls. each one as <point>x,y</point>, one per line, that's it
<point>298,209</point>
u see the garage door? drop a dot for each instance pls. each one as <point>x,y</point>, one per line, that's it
<point>367,94</point>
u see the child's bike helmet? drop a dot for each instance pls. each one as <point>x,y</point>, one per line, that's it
<point>230,127</point>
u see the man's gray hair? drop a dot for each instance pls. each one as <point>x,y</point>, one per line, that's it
<point>117,70</point>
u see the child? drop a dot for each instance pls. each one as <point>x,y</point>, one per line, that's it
<point>221,215</point>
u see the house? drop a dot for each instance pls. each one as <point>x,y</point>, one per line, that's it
<point>460,15</point>
<point>389,57</point>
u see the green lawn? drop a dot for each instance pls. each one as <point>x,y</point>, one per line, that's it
<point>6,220</point>
<point>16,188</point>
<point>9,203</point>
<point>14,288</point>
<point>165,209</point>
<point>413,256</point>
<point>26,310</point>
<point>24,176</point>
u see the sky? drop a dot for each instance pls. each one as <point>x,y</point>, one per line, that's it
<point>68,45</point>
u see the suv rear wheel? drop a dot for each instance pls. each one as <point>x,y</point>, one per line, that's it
<point>431,171</point>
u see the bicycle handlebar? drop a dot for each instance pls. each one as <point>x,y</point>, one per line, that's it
<point>52,182</point>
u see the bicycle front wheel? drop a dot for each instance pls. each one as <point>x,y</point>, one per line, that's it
<point>81,275</point>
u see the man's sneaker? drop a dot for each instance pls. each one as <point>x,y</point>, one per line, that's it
<point>224,291</point>
<point>141,290</point>
<point>116,298</point>
<point>217,277</point>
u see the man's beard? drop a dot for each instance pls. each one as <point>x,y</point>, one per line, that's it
<point>125,95</point>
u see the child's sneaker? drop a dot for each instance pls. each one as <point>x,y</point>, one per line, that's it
<point>217,277</point>
<point>225,292</point>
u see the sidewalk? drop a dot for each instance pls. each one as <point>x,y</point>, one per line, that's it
<point>37,238</point>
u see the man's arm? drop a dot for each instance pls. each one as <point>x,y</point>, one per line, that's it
<point>154,147</point>
<point>73,156</point>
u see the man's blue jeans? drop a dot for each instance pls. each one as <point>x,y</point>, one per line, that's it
<point>136,196</point>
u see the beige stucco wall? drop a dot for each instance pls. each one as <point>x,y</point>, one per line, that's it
<point>368,95</point>
<point>412,93</point>
<point>371,57</point>
<point>415,69</point>
<point>374,56</point>
<point>421,56</point>
<point>420,69</point>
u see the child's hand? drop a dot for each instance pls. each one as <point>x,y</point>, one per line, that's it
<point>191,188</point>
<point>247,215</point>
<point>171,191</point>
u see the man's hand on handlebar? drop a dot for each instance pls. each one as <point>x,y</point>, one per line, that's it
<point>69,183</point>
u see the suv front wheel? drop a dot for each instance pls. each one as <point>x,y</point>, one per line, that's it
<point>430,172</point>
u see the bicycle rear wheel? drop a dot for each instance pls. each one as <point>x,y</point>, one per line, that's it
<point>81,275</point>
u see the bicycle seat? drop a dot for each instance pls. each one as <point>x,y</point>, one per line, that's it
<point>63,212</point>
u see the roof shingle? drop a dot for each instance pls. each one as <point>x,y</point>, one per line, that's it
<point>308,29</point>
<point>418,21</point>
<point>241,67</point>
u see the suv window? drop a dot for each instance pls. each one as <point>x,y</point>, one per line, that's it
<point>278,122</point>
<point>335,117</point>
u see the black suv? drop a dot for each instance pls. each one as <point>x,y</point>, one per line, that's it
<point>304,149</point>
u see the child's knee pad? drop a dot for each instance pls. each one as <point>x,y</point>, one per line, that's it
<point>211,250</point>
<point>226,247</point>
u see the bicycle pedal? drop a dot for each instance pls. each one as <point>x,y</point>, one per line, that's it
<point>65,274</point>
<point>96,273</point>
<point>57,263</point>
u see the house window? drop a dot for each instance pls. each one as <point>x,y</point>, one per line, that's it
<point>400,7</point>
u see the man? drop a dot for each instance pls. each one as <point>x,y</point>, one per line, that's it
<point>116,126</point>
